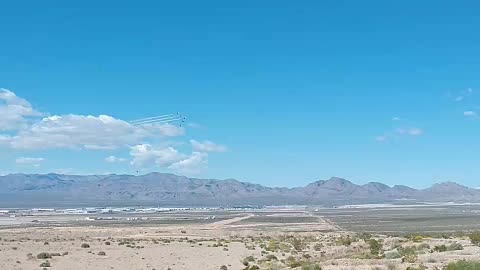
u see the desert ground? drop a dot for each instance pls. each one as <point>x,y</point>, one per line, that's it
<point>307,238</point>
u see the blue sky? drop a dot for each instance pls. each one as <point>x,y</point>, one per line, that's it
<point>276,92</point>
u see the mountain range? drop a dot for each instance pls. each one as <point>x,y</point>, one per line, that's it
<point>17,190</point>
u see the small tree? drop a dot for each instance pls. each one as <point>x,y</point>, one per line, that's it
<point>408,254</point>
<point>441,248</point>
<point>475,238</point>
<point>455,246</point>
<point>292,262</point>
<point>375,247</point>
<point>271,257</point>
<point>298,244</point>
<point>417,238</point>
<point>44,255</point>
<point>311,267</point>
<point>365,236</point>
<point>344,241</point>
<point>462,265</point>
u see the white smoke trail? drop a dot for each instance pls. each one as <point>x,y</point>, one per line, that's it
<point>157,121</point>
<point>154,118</point>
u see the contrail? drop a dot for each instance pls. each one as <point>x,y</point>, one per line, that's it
<point>155,121</point>
<point>152,118</point>
<point>152,123</point>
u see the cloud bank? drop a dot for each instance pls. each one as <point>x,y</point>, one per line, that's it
<point>23,128</point>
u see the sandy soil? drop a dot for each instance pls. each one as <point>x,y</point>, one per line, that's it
<point>174,255</point>
<point>211,245</point>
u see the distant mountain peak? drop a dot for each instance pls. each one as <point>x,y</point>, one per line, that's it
<point>338,179</point>
<point>338,182</point>
<point>376,186</point>
<point>403,188</point>
<point>448,187</point>
<point>449,184</point>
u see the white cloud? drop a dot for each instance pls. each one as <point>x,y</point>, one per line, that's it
<point>5,140</point>
<point>470,114</point>
<point>22,127</point>
<point>194,164</point>
<point>14,111</point>
<point>463,95</point>
<point>167,130</point>
<point>207,146</point>
<point>410,131</point>
<point>414,131</point>
<point>29,161</point>
<point>145,155</point>
<point>114,159</point>
<point>101,132</point>
<point>381,138</point>
<point>399,132</point>
<point>99,147</point>
<point>64,171</point>
<point>396,118</point>
<point>194,125</point>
